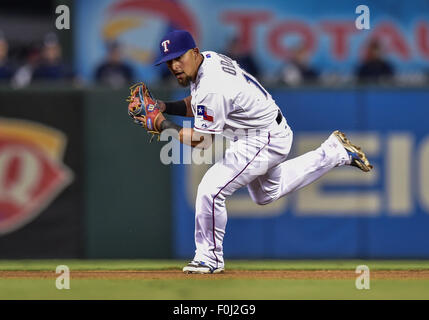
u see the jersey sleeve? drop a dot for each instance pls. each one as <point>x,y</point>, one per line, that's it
<point>210,114</point>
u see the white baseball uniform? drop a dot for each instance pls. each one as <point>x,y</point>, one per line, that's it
<point>227,100</point>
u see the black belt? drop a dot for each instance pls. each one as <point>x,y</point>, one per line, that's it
<point>279,117</point>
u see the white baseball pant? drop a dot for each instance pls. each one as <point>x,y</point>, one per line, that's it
<point>258,162</point>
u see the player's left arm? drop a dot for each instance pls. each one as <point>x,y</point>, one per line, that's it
<point>178,108</point>
<point>188,136</point>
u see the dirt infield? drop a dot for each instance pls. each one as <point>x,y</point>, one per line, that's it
<point>229,274</point>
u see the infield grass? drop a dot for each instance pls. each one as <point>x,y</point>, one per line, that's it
<point>213,289</point>
<point>206,288</point>
<point>81,265</point>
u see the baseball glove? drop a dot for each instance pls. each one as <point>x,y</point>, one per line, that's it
<point>144,110</point>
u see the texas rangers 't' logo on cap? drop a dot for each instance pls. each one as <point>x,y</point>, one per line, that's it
<point>164,44</point>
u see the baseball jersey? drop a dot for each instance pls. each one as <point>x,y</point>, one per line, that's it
<point>227,99</point>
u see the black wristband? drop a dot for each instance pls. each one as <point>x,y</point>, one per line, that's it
<point>176,108</point>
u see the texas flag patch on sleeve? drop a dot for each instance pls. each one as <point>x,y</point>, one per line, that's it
<point>205,112</point>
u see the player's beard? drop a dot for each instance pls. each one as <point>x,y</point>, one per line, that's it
<point>184,82</point>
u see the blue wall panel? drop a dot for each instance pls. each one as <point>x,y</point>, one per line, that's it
<point>390,218</point>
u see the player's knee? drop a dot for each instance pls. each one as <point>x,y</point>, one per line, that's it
<point>208,199</point>
<point>264,201</point>
<point>211,194</point>
<point>261,200</point>
<point>206,192</point>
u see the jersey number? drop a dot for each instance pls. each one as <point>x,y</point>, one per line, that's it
<point>250,79</point>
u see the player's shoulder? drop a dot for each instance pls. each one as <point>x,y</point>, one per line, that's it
<point>210,55</point>
<point>213,80</point>
<point>210,63</point>
<point>213,61</point>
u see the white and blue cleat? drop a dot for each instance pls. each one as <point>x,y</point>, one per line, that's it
<point>200,267</point>
<point>357,156</point>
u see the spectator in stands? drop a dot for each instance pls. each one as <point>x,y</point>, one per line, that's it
<point>24,74</point>
<point>6,69</point>
<point>243,56</point>
<point>374,68</point>
<point>297,70</point>
<point>51,67</point>
<point>114,72</point>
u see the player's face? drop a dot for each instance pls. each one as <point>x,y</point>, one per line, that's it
<point>185,67</point>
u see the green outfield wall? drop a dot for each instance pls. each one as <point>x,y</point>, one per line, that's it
<point>107,194</point>
<point>127,188</point>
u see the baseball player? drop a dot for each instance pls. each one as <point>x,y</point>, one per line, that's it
<point>226,100</point>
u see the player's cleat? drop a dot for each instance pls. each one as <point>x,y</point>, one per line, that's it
<point>357,156</point>
<point>201,268</point>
